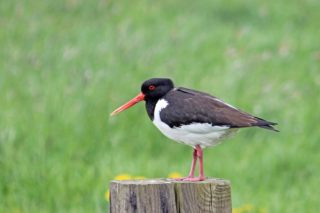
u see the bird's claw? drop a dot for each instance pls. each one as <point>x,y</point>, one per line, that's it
<point>194,179</point>
<point>191,179</point>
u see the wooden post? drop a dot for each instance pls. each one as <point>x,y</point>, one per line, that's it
<point>170,196</point>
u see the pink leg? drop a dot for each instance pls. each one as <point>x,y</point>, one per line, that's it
<point>201,171</point>
<point>193,166</point>
<point>200,155</point>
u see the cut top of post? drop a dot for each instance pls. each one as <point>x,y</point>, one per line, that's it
<point>168,195</point>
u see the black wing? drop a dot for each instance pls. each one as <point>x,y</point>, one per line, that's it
<point>189,106</point>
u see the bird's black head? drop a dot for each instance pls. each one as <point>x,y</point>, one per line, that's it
<point>156,88</point>
<point>151,91</point>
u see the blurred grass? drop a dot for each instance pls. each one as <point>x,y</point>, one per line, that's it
<point>65,65</point>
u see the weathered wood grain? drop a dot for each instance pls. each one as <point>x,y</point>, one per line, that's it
<point>170,196</point>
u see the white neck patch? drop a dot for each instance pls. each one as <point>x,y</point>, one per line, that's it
<point>161,104</point>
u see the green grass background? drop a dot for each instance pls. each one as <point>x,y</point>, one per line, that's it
<point>65,65</point>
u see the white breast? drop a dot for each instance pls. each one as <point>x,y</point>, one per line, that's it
<point>203,134</point>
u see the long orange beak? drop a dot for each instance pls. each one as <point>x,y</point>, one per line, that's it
<point>129,104</point>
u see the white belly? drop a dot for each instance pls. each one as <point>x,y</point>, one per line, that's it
<point>203,134</point>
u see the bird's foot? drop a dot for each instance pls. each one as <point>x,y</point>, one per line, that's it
<point>194,179</point>
<point>191,179</point>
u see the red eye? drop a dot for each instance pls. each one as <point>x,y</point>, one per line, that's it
<point>152,87</point>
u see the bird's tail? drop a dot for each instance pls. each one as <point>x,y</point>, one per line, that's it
<point>266,124</point>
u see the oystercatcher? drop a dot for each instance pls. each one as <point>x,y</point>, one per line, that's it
<point>191,117</point>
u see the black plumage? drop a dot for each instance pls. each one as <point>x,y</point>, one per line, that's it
<point>187,106</point>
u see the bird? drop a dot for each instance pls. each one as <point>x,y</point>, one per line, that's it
<point>191,117</point>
